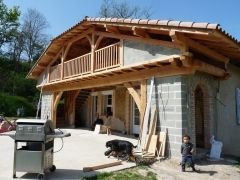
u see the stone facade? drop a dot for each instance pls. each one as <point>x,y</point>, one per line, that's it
<point>46,106</point>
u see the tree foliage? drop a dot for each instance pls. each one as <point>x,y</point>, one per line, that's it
<point>121,9</point>
<point>20,44</point>
<point>8,23</point>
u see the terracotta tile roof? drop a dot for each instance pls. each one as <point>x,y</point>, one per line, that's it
<point>157,22</point>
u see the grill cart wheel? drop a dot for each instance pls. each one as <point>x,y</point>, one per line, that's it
<point>53,168</point>
<point>40,176</point>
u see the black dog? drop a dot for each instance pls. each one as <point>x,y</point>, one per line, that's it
<point>119,148</point>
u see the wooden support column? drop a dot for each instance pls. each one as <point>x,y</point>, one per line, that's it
<point>56,98</point>
<point>127,113</point>
<point>70,106</point>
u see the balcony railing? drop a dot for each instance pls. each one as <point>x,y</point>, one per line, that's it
<point>104,59</point>
<point>78,66</point>
<point>107,57</point>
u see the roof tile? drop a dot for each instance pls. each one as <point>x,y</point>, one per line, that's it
<point>135,21</point>
<point>114,20</point>
<point>127,20</point>
<point>120,19</point>
<point>102,19</point>
<point>174,23</point>
<point>143,21</point>
<point>186,24</point>
<point>163,22</point>
<point>153,22</point>
<point>200,25</point>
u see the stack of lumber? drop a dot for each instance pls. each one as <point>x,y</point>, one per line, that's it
<point>152,143</point>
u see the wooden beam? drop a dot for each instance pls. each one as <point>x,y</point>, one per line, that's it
<point>98,42</point>
<point>207,68</point>
<point>178,37</point>
<point>141,39</point>
<point>140,32</point>
<point>167,70</point>
<point>134,94</point>
<point>111,29</point>
<point>81,36</point>
<point>57,99</point>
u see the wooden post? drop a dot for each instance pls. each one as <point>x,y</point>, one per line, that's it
<point>92,52</point>
<point>127,112</point>
<point>121,53</point>
<point>62,65</point>
<point>56,98</point>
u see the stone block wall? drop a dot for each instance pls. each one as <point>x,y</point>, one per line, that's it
<point>169,97</point>
<point>46,105</point>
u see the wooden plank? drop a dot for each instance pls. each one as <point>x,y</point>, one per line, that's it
<point>143,101</point>
<point>146,115</point>
<point>152,128</point>
<point>162,144</point>
<point>101,166</point>
<point>153,144</point>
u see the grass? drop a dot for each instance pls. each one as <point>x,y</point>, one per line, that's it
<point>129,174</point>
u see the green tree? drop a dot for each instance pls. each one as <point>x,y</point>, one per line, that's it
<point>9,22</point>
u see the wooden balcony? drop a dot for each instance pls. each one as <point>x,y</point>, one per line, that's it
<point>104,59</point>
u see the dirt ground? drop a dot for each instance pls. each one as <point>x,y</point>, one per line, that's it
<point>221,170</point>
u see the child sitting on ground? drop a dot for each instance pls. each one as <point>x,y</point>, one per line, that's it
<point>186,151</point>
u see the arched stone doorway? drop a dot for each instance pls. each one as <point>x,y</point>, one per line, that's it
<point>199,117</point>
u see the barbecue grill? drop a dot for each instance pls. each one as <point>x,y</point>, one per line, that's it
<point>33,147</point>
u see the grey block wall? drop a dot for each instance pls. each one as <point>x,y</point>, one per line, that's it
<point>46,106</point>
<point>169,97</point>
<point>135,52</point>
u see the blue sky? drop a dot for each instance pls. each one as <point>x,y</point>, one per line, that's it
<point>62,14</point>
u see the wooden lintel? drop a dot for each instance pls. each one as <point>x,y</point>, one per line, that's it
<point>134,94</point>
<point>140,32</point>
<point>178,37</point>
